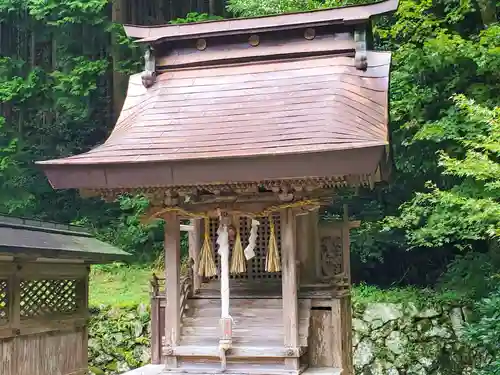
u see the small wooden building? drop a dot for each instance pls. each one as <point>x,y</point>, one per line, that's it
<point>247,127</point>
<point>44,270</point>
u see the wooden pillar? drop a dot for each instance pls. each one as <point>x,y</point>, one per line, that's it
<point>346,242</point>
<point>84,294</point>
<point>172,286</point>
<point>346,306</point>
<point>341,307</point>
<point>194,251</point>
<point>289,280</point>
<point>14,298</point>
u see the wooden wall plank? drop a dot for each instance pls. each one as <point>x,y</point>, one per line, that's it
<point>337,336</point>
<point>320,343</point>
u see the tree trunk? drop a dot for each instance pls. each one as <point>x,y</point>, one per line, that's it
<point>119,79</point>
<point>488,11</point>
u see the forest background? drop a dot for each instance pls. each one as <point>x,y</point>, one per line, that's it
<point>63,76</point>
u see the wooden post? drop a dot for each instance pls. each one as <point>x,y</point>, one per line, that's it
<point>85,294</point>
<point>194,251</point>
<point>172,285</point>
<point>14,299</point>
<point>346,243</point>
<point>289,280</point>
<point>156,342</point>
<point>346,307</point>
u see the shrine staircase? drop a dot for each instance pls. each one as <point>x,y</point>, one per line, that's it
<point>257,339</point>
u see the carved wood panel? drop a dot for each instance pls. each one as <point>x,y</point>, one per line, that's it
<point>255,266</point>
<point>331,255</point>
<point>331,251</point>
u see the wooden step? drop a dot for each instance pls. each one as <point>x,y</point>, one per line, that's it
<point>244,302</point>
<point>237,341</point>
<point>272,303</point>
<point>263,321</point>
<point>232,369</point>
<point>239,331</point>
<point>237,313</point>
<point>237,351</point>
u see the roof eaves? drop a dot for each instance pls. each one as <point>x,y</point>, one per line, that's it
<point>20,252</point>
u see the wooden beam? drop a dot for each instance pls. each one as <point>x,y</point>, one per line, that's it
<point>289,282</point>
<point>172,284</point>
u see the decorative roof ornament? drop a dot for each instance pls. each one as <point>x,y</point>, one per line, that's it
<point>149,74</point>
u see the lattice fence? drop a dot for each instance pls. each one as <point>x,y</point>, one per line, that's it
<point>255,266</point>
<point>4,306</point>
<point>48,297</point>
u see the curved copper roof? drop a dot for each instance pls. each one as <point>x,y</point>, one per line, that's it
<point>289,107</point>
<point>318,105</point>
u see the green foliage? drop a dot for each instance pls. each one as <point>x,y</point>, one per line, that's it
<point>482,335</point>
<point>119,339</point>
<point>468,210</point>
<point>471,276</point>
<point>252,8</point>
<point>195,17</point>
<point>58,13</point>
<point>364,294</point>
<point>56,103</point>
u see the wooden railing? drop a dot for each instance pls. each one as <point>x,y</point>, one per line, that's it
<point>158,305</point>
<point>186,288</point>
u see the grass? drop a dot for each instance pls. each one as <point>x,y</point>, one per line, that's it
<point>122,285</point>
<point>119,285</point>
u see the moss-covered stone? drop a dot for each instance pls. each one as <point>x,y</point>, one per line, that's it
<point>409,339</point>
<point>388,339</point>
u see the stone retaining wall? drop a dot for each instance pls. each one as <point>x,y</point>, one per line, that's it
<point>397,339</point>
<point>388,339</point>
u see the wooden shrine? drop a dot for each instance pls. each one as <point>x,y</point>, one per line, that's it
<point>246,127</point>
<point>44,271</point>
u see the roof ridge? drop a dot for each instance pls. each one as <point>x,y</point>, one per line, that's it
<point>350,13</point>
<point>43,226</point>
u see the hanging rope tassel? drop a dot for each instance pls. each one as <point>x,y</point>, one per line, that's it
<point>273,262</point>
<point>238,261</point>
<point>207,266</point>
